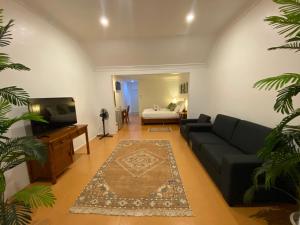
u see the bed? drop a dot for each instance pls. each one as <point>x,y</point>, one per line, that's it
<point>151,116</point>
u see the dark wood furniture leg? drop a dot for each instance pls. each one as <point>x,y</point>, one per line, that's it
<point>87,141</point>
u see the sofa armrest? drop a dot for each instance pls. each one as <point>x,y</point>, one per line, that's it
<point>236,176</point>
<point>186,121</point>
<point>198,127</point>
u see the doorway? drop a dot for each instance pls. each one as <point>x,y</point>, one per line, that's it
<point>131,95</point>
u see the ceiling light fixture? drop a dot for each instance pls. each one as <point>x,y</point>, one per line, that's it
<point>190,17</point>
<point>104,21</point>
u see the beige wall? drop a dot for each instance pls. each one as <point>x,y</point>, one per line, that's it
<point>159,91</point>
<point>240,58</point>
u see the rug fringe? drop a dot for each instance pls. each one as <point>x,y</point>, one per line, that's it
<point>133,212</point>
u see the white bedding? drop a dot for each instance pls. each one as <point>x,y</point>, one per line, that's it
<point>161,114</point>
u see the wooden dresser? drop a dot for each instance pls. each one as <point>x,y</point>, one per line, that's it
<point>60,153</point>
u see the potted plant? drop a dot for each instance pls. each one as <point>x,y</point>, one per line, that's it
<point>16,210</point>
<point>281,152</point>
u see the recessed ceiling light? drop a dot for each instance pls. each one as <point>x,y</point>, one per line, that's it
<point>190,17</point>
<point>104,21</point>
<point>174,73</point>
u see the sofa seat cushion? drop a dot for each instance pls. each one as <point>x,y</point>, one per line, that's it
<point>214,154</point>
<point>199,138</point>
<point>224,126</point>
<point>249,137</point>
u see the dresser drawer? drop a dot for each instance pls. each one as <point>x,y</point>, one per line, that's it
<point>61,142</point>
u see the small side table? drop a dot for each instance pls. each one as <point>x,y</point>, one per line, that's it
<point>182,115</point>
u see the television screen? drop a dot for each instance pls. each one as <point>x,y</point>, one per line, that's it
<point>58,112</point>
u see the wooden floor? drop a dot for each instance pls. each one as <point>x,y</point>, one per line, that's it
<point>208,205</point>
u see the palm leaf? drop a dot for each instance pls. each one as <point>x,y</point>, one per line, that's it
<point>4,58</point>
<point>15,151</point>
<point>291,46</point>
<point>36,196</point>
<point>14,95</point>
<point>288,119</point>
<point>284,101</point>
<point>6,124</point>
<point>5,63</point>
<point>289,7</point>
<point>278,81</point>
<point>288,24</point>
<point>5,108</point>
<point>249,194</point>
<point>2,182</point>
<point>5,34</point>
<point>16,214</point>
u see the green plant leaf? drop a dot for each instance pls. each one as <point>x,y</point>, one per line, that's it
<point>290,46</point>
<point>5,34</point>
<point>284,101</point>
<point>6,124</point>
<point>2,183</point>
<point>5,108</point>
<point>288,24</point>
<point>14,95</point>
<point>36,196</point>
<point>289,7</point>
<point>249,194</point>
<point>15,151</point>
<point>277,82</point>
<point>5,63</point>
<point>16,214</point>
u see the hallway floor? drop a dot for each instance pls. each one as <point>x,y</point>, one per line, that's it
<point>207,203</point>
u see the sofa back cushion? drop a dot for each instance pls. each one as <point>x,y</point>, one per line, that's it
<point>224,126</point>
<point>249,137</point>
<point>203,118</point>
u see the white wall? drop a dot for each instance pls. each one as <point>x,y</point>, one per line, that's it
<point>150,51</point>
<point>58,68</point>
<point>240,58</point>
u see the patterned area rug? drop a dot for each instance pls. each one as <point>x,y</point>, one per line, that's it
<point>160,129</point>
<point>140,178</point>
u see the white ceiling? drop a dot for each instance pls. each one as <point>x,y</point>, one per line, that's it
<point>139,18</point>
<point>139,29</point>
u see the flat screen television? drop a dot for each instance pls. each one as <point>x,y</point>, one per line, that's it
<point>58,112</point>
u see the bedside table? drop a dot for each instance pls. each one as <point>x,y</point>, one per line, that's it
<point>182,115</point>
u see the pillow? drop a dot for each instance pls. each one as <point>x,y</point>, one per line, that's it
<point>203,118</point>
<point>169,106</point>
<point>172,107</point>
<point>156,107</point>
<point>177,108</point>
